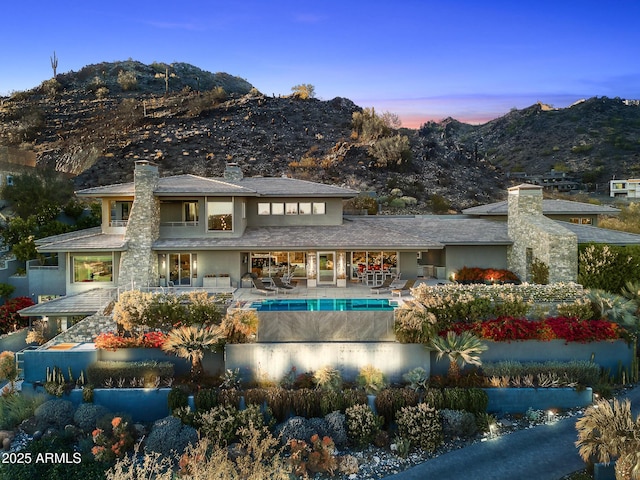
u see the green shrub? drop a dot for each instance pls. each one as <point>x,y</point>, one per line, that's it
<point>169,435</point>
<point>539,272</point>
<point>205,399</point>
<point>87,415</point>
<point>362,424</point>
<point>608,267</point>
<point>473,400</point>
<point>331,401</point>
<point>580,308</point>
<point>421,425</point>
<point>458,423</point>
<point>367,125</point>
<point>218,424</point>
<point>305,402</point>
<point>177,398</point>
<point>434,398</point>
<point>390,400</point>
<point>354,397</point>
<point>98,373</point>
<point>54,413</point>
<point>417,378</point>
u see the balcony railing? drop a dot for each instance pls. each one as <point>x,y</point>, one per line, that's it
<point>118,223</point>
<point>179,224</point>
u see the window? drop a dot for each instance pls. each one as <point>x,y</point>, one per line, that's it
<point>585,221</point>
<point>119,213</point>
<point>220,215</point>
<point>581,220</point>
<point>319,208</point>
<point>304,208</point>
<point>277,209</point>
<point>10,180</point>
<point>191,212</point>
<point>92,268</point>
<point>291,208</point>
<point>264,208</point>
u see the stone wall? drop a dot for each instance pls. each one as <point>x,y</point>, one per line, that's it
<point>536,236</point>
<point>139,265</point>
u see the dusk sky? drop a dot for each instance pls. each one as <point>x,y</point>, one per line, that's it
<point>424,60</point>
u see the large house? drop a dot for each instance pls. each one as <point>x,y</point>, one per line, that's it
<point>187,230</point>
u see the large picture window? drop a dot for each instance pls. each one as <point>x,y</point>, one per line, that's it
<point>92,268</point>
<point>220,215</point>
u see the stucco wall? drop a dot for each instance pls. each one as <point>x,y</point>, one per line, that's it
<point>333,215</point>
<point>482,256</point>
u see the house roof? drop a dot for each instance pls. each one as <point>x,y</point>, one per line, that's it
<point>182,185</point>
<point>549,207</point>
<point>86,303</point>
<point>90,239</point>
<point>366,233</point>
<point>590,234</point>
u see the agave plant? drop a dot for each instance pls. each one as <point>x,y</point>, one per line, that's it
<point>631,291</point>
<point>614,308</point>
<point>608,431</point>
<point>191,342</point>
<point>461,349</point>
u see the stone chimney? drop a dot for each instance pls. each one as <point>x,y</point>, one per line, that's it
<point>535,236</point>
<point>138,264</point>
<point>232,171</point>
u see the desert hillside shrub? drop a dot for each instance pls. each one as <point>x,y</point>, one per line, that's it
<point>16,407</point>
<point>391,152</point>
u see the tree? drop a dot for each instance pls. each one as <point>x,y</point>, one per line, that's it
<point>608,431</point>
<point>304,91</point>
<point>461,349</point>
<point>35,193</point>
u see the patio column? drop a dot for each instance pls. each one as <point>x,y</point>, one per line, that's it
<point>312,270</point>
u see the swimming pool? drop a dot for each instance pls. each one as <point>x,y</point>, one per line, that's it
<point>324,304</point>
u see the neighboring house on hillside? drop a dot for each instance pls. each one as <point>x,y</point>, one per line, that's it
<point>182,230</point>
<point>560,210</point>
<point>625,188</point>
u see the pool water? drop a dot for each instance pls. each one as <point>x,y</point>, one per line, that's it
<point>324,304</point>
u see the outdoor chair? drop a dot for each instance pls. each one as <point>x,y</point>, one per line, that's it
<point>408,285</point>
<point>384,286</point>
<point>261,288</point>
<point>280,285</point>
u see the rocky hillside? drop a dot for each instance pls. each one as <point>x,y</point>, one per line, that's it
<point>96,122</point>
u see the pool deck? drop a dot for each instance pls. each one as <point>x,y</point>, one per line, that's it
<point>353,290</point>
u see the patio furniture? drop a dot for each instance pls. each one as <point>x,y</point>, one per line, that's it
<point>405,288</point>
<point>383,287</point>
<point>261,288</point>
<point>280,285</point>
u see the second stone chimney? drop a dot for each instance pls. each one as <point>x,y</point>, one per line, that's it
<point>232,171</point>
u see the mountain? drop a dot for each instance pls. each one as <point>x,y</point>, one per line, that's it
<point>96,122</point>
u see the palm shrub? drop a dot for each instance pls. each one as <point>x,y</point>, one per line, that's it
<point>461,350</point>
<point>631,291</point>
<point>191,342</point>
<point>240,326</point>
<point>613,307</point>
<point>606,431</point>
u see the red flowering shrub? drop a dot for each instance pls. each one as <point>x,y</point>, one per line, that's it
<point>576,330</point>
<point>10,321</point>
<point>113,341</point>
<point>506,329</point>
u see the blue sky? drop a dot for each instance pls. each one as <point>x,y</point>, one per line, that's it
<point>424,60</point>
